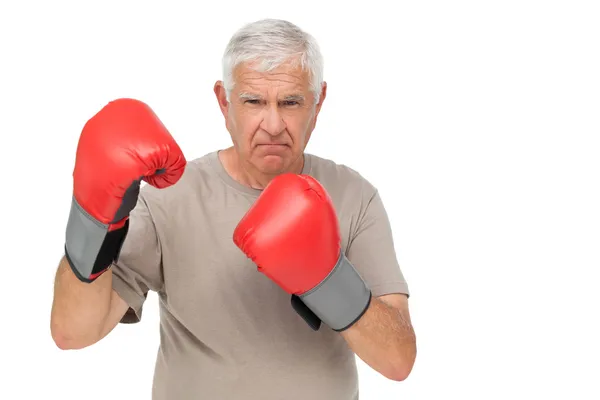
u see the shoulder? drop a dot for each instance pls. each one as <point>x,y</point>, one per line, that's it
<point>340,180</point>
<point>338,176</point>
<point>197,175</point>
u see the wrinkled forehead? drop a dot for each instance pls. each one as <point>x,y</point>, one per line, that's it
<point>261,76</point>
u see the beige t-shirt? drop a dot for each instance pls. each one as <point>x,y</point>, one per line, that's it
<point>227,331</point>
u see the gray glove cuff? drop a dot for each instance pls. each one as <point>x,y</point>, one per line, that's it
<point>341,298</point>
<point>90,248</point>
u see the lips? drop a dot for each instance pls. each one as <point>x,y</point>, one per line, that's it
<point>272,145</point>
<point>273,149</point>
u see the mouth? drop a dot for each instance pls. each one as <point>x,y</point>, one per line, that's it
<point>272,146</point>
<point>272,149</point>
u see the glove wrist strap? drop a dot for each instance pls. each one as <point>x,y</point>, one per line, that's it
<point>341,298</point>
<point>91,246</point>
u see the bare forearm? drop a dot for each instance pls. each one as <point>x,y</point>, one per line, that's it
<point>384,339</point>
<point>79,309</point>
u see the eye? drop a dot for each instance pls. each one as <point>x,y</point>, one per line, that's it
<point>290,103</point>
<point>251,101</point>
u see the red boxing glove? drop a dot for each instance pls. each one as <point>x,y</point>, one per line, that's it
<point>291,232</point>
<point>123,144</point>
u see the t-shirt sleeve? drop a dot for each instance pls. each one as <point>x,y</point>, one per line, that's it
<point>371,250</point>
<point>138,269</point>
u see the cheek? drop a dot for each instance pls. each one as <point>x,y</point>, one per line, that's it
<point>298,126</point>
<point>245,127</point>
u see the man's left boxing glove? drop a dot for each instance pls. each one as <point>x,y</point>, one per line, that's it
<point>121,145</point>
<point>292,234</point>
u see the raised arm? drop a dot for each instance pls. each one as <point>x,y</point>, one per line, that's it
<point>121,145</point>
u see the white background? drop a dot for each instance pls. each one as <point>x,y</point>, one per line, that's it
<point>478,121</point>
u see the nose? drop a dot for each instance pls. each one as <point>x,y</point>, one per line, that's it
<point>272,122</point>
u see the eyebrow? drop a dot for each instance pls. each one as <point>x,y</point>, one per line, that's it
<point>252,96</point>
<point>294,97</point>
<point>249,96</point>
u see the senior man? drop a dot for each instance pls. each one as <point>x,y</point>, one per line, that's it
<point>273,267</point>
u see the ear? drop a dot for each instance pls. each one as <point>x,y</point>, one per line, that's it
<point>221,94</point>
<point>320,103</point>
<point>322,97</point>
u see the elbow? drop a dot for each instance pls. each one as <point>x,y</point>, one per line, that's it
<point>401,366</point>
<point>66,343</point>
<point>58,334</point>
<point>398,373</point>
<point>62,342</point>
<point>66,340</point>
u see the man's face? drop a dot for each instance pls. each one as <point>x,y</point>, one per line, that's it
<point>270,116</point>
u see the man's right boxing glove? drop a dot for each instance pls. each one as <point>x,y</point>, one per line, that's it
<point>123,144</point>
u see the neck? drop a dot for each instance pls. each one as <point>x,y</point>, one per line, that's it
<point>248,175</point>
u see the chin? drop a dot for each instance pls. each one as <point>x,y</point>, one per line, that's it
<point>273,165</point>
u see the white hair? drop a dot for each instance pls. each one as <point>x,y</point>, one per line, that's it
<point>270,43</point>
